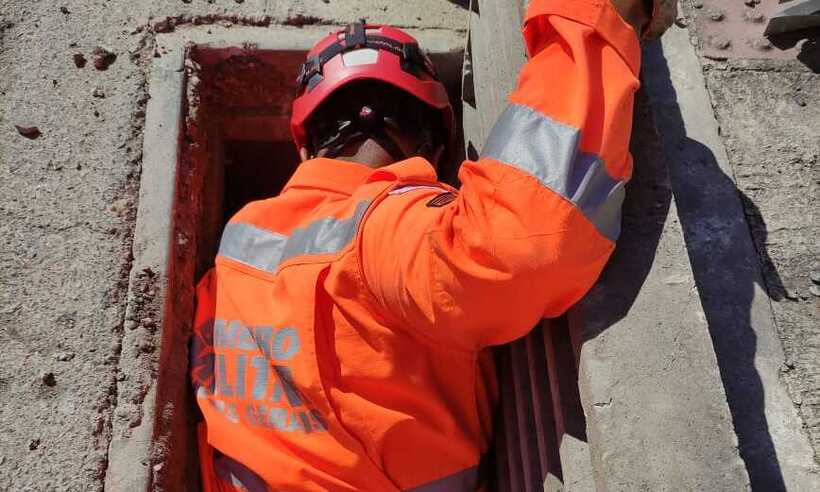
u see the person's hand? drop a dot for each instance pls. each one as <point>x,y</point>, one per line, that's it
<point>662,17</point>
<point>635,12</point>
<point>649,18</point>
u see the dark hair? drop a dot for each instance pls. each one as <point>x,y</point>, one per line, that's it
<point>410,114</point>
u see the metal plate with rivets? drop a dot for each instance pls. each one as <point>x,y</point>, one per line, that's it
<point>734,28</point>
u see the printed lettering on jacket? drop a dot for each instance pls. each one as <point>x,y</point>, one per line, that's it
<point>243,372</point>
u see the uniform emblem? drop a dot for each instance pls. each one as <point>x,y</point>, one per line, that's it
<point>441,200</point>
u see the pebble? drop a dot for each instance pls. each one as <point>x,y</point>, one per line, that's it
<point>65,10</point>
<point>49,379</point>
<point>815,276</point>
<point>165,25</point>
<point>146,346</point>
<point>98,92</point>
<point>64,356</point>
<point>791,295</point>
<point>79,60</point>
<point>754,16</point>
<point>33,444</point>
<point>720,42</point>
<point>815,290</point>
<point>30,132</point>
<point>715,15</point>
<point>103,58</point>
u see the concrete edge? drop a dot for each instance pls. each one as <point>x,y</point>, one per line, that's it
<point>130,447</point>
<point>445,47</point>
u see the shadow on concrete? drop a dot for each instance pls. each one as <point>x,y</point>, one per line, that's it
<point>809,53</point>
<point>726,270</point>
<point>647,204</point>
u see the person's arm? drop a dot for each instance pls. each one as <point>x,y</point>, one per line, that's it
<point>538,214</point>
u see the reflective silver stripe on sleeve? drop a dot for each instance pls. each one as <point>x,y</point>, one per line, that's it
<point>464,481</point>
<point>266,250</point>
<point>548,150</point>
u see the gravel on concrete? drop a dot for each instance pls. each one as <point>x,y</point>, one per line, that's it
<point>76,71</point>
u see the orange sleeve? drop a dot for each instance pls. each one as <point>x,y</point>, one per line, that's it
<point>537,215</point>
<point>201,348</point>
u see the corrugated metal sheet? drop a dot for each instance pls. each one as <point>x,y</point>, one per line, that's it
<point>539,405</point>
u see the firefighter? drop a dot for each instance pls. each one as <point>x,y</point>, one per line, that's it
<point>339,337</point>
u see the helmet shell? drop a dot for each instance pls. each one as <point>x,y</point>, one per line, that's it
<point>367,63</point>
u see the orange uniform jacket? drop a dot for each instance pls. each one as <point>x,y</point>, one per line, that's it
<point>338,338</point>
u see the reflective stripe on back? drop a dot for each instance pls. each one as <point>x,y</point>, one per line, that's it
<point>266,250</point>
<point>463,481</point>
<point>548,150</point>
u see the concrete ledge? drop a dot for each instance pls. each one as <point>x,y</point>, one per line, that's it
<point>129,456</point>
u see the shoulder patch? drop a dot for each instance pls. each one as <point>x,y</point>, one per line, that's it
<point>407,188</point>
<point>441,200</point>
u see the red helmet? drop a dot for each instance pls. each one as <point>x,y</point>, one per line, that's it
<point>366,52</point>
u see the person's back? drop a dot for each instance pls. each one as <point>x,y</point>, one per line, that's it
<point>340,339</point>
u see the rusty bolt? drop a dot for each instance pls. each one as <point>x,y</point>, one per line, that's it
<point>714,15</point>
<point>720,42</point>
<point>762,44</point>
<point>754,16</point>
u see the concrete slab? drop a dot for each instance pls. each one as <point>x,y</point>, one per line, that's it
<point>768,122</point>
<point>725,265</point>
<point>68,208</point>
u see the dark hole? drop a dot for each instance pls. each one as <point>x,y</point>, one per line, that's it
<point>255,170</point>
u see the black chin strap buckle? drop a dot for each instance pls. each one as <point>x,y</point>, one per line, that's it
<point>412,59</point>
<point>355,36</point>
<point>311,67</point>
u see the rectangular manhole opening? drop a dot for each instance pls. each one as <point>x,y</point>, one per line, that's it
<point>239,140</point>
<point>235,147</point>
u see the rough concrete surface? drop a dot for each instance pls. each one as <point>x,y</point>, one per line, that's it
<point>770,121</point>
<point>769,116</point>
<point>67,206</point>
